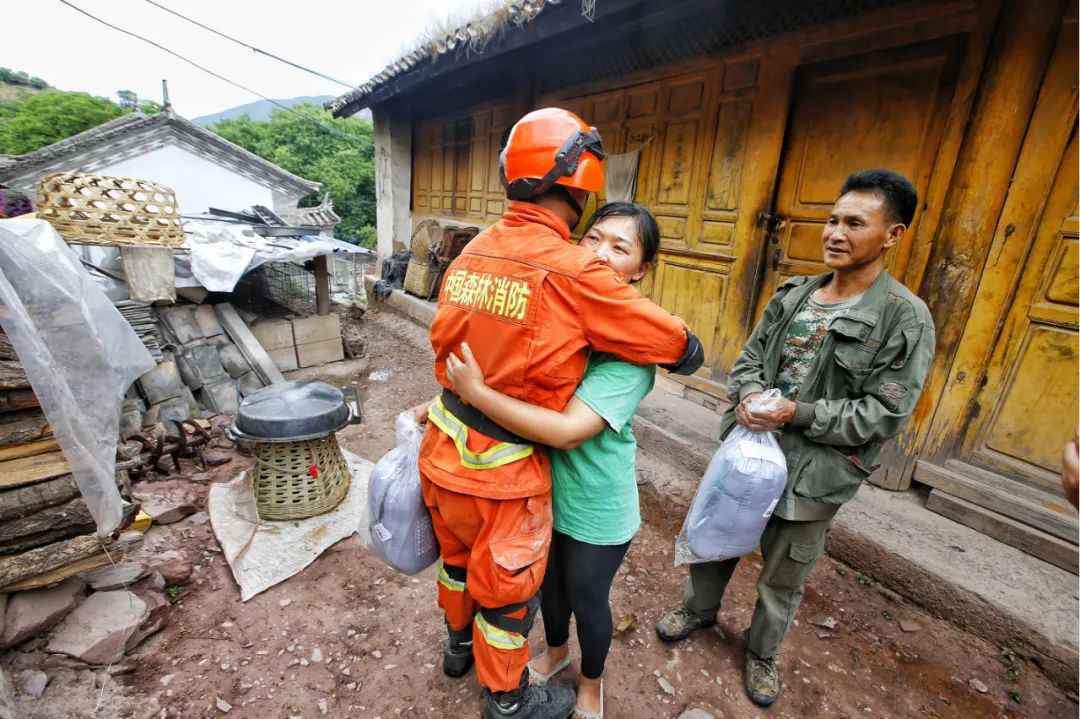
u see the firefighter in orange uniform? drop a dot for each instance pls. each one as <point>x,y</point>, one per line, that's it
<point>530,304</point>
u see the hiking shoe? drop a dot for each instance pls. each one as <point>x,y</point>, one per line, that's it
<point>457,654</point>
<point>678,623</point>
<point>762,680</point>
<point>530,701</point>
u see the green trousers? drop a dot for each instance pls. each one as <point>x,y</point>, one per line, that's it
<point>789,551</point>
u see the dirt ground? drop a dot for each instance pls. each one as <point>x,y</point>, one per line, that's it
<point>349,637</point>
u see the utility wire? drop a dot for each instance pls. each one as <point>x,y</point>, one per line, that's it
<point>250,47</point>
<point>327,128</point>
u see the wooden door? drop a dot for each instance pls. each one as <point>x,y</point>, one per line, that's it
<point>1027,407</point>
<point>884,109</point>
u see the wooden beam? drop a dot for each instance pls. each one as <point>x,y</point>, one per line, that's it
<point>72,514</point>
<point>247,344</point>
<point>27,470</point>
<point>322,285</point>
<point>19,399</point>
<point>28,449</point>
<point>1025,538</point>
<point>15,503</point>
<point>12,375</point>
<point>1012,503</point>
<point>25,427</point>
<point>56,562</point>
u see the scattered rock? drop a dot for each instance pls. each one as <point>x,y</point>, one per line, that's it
<point>696,714</point>
<point>284,603</point>
<point>153,581</point>
<point>978,686</point>
<point>31,613</point>
<point>214,458</point>
<point>628,623</point>
<point>166,502</point>
<point>166,680</point>
<point>824,635</point>
<point>197,519</point>
<point>666,686</point>
<point>33,682</point>
<point>158,609</point>
<point>826,623</point>
<point>7,697</point>
<point>377,654</point>
<point>909,627</point>
<point>115,576</point>
<point>223,706</point>
<point>97,631</point>
<point>316,655</point>
<point>324,706</point>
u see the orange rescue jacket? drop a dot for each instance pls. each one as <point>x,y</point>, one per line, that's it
<point>531,304</point>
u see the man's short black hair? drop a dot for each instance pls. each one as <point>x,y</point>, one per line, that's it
<point>896,192</point>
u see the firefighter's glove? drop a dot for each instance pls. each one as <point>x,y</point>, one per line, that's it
<point>692,358</point>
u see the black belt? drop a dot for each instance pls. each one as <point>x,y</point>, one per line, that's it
<point>479,421</point>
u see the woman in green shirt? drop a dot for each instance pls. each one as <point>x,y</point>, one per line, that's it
<point>594,489</point>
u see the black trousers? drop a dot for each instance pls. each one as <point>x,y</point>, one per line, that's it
<point>578,581</point>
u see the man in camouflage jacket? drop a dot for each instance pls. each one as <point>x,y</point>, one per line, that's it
<point>850,351</point>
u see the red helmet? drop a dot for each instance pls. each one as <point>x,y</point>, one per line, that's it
<point>549,147</point>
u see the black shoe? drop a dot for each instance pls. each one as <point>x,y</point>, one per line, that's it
<point>457,655</point>
<point>530,701</point>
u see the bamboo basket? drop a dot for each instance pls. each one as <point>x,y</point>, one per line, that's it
<point>423,269</point>
<point>99,210</point>
<point>297,480</point>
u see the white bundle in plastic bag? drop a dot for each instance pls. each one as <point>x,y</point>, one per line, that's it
<point>738,494</point>
<point>400,524</point>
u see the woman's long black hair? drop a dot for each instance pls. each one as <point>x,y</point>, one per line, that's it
<point>648,231</point>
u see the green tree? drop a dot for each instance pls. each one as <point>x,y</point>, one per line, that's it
<point>50,116</point>
<point>310,143</point>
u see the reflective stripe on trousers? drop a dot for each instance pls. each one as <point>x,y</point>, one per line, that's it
<point>498,638</point>
<point>454,585</point>
<point>458,431</point>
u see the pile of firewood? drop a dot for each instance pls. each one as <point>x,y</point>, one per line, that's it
<point>46,531</point>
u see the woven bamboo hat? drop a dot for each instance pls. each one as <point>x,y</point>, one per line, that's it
<point>99,210</point>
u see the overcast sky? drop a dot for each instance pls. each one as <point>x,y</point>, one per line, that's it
<point>350,41</point>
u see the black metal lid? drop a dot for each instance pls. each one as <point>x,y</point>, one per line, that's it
<point>292,411</point>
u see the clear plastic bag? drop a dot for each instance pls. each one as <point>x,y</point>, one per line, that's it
<point>400,528</point>
<point>78,352</point>
<point>736,497</point>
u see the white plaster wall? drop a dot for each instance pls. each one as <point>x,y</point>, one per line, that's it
<point>198,183</point>
<point>393,181</point>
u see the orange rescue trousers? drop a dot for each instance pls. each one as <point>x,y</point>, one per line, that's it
<point>494,553</point>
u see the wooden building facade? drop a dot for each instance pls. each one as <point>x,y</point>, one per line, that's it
<point>747,126</point>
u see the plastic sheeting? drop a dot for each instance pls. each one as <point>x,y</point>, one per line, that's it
<point>262,554</point>
<point>221,253</point>
<point>401,530</point>
<point>78,352</point>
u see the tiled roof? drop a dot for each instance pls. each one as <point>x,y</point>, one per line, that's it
<point>125,127</point>
<point>472,37</point>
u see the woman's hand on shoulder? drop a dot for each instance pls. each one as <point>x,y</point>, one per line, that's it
<point>466,377</point>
